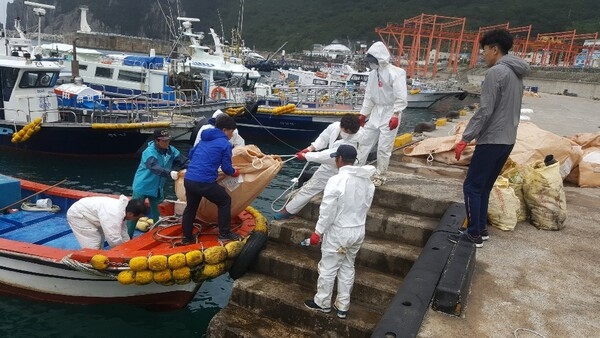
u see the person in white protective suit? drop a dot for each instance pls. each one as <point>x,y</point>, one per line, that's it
<point>341,226</point>
<point>385,99</point>
<point>346,131</point>
<point>236,139</point>
<point>94,219</point>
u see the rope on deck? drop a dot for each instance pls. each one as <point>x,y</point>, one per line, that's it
<point>85,268</point>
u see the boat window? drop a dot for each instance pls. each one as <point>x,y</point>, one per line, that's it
<point>8,78</point>
<point>38,79</point>
<point>82,67</point>
<point>249,85</point>
<point>104,72</point>
<point>126,75</point>
<point>221,77</point>
<point>319,82</point>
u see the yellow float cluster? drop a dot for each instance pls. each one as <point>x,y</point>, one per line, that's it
<point>144,224</point>
<point>29,129</point>
<point>259,220</point>
<point>414,91</point>
<point>140,125</point>
<point>233,111</point>
<point>181,268</point>
<point>288,108</point>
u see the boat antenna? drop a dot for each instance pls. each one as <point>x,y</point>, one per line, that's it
<point>221,22</point>
<point>40,11</point>
<point>272,55</point>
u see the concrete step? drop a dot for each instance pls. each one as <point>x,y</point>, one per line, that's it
<point>390,257</point>
<point>235,321</point>
<point>261,294</point>
<point>385,223</point>
<point>296,264</point>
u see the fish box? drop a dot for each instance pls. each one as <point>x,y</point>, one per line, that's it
<point>10,191</point>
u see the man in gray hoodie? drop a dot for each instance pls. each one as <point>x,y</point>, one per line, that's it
<point>494,126</point>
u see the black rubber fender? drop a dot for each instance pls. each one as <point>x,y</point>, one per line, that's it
<point>255,243</point>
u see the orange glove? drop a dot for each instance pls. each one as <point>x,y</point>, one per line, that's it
<point>315,239</point>
<point>393,122</point>
<point>236,173</point>
<point>363,119</point>
<point>460,147</point>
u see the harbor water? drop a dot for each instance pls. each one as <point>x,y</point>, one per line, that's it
<point>23,318</point>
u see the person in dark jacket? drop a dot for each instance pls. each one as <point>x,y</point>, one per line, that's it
<point>155,167</point>
<point>494,126</point>
<point>200,179</point>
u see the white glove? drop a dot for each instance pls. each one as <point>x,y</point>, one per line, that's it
<point>174,175</point>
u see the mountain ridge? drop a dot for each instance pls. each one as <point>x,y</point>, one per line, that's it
<point>270,23</point>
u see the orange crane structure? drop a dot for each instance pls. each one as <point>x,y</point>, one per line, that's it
<point>417,44</point>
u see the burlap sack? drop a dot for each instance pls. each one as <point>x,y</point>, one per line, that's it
<point>512,171</point>
<point>533,144</point>
<point>589,168</point>
<point>545,195</point>
<point>587,140</point>
<point>504,205</point>
<point>257,170</point>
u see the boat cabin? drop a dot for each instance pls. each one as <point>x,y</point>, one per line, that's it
<point>27,90</point>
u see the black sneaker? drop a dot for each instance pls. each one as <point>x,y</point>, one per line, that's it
<point>230,237</point>
<point>465,237</point>
<point>341,314</point>
<point>185,241</point>
<point>485,235</point>
<point>309,303</point>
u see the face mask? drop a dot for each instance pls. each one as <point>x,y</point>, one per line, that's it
<point>344,136</point>
<point>373,66</point>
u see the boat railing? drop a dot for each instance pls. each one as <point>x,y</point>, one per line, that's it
<point>320,97</point>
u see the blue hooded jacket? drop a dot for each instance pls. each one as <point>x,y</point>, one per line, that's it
<point>154,168</point>
<point>207,156</point>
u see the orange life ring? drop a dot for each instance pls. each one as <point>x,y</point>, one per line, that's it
<point>222,94</point>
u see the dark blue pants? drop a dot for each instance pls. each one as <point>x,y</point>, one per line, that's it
<point>485,167</point>
<point>194,191</point>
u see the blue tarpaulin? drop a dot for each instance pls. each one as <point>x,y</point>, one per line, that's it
<point>151,62</point>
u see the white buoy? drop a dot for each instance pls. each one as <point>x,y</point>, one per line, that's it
<point>526,111</point>
<point>152,52</point>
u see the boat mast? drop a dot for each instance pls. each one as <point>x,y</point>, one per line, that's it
<point>40,11</point>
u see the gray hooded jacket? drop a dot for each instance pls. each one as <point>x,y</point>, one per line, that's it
<point>497,119</point>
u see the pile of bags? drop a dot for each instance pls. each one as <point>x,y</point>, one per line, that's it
<point>528,188</point>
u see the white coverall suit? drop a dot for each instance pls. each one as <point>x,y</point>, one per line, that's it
<point>346,201</point>
<point>93,219</point>
<point>236,139</point>
<point>385,95</point>
<point>328,138</point>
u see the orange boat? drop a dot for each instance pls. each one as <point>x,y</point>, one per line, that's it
<point>40,257</point>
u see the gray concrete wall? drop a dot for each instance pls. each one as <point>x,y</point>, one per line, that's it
<point>582,89</point>
<point>119,42</point>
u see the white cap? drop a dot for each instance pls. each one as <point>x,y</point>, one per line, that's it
<point>217,113</point>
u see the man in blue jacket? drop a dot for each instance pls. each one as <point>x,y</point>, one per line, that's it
<point>200,179</point>
<point>155,167</point>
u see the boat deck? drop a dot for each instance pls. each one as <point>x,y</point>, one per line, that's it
<point>39,227</point>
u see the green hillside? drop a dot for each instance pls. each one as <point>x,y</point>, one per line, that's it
<point>269,23</point>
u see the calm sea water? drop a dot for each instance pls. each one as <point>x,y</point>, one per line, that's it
<point>22,318</point>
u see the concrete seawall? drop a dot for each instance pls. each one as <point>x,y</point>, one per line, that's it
<point>553,86</point>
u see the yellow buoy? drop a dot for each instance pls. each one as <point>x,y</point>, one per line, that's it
<point>157,263</point>
<point>138,263</point>
<point>213,270</point>
<point>177,261</point>
<point>126,277</point>
<point>99,262</point>
<point>181,273</point>
<point>144,277</point>
<point>162,276</point>
<point>215,254</point>
<point>194,258</point>
<point>441,122</point>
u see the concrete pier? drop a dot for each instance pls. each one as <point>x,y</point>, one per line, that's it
<point>526,279</point>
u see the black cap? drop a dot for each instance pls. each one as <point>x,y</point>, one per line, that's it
<point>161,134</point>
<point>346,152</point>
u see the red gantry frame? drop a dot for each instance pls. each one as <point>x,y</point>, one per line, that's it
<point>418,44</point>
